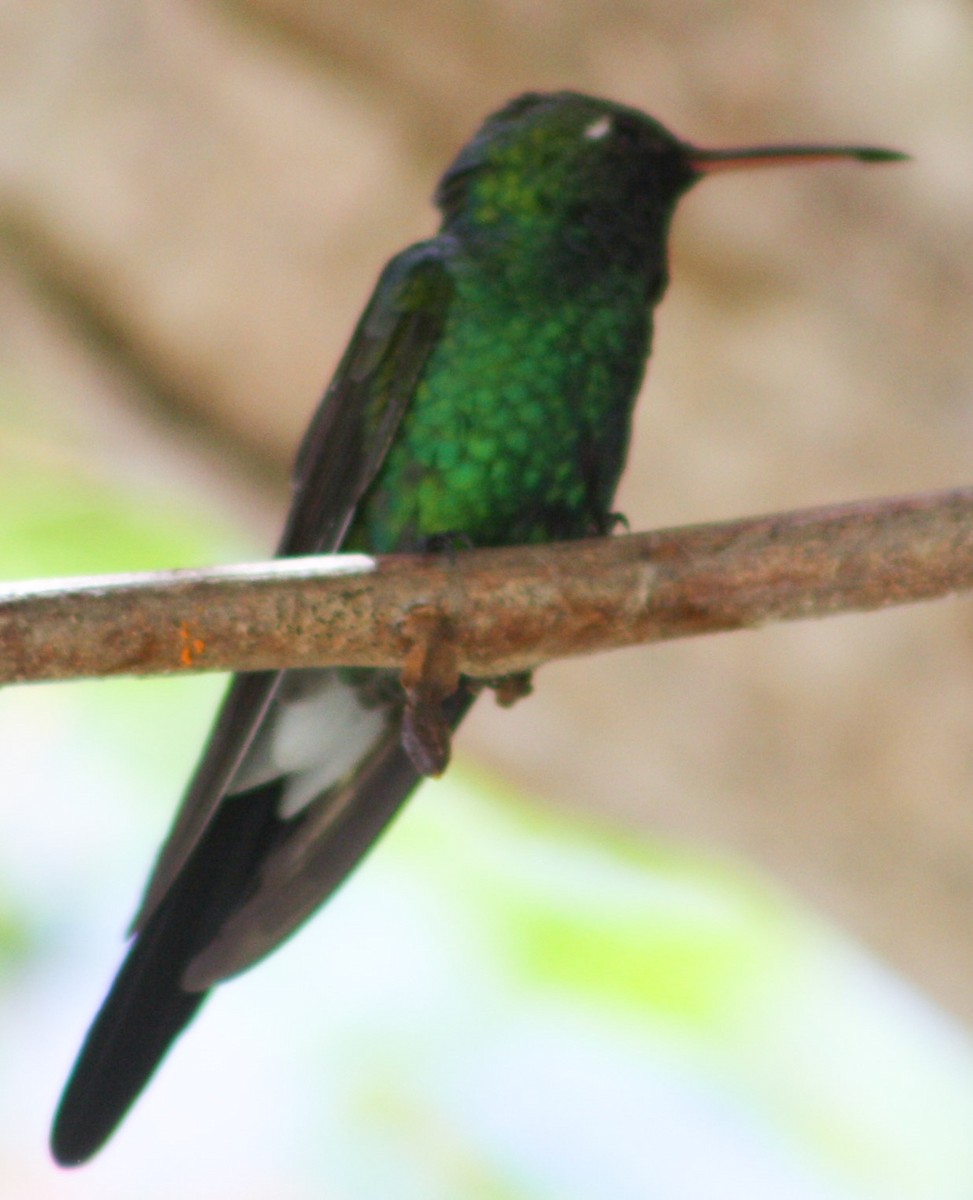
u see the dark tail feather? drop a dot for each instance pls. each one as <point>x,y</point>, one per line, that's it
<point>147,1007</point>
<point>120,1053</point>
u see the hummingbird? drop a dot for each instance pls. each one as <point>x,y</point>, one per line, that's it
<point>485,398</point>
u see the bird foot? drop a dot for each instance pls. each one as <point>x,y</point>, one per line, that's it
<point>430,674</point>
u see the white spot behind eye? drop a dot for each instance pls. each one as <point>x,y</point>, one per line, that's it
<point>598,129</point>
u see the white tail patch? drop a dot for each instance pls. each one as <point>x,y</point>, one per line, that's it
<point>315,733</point>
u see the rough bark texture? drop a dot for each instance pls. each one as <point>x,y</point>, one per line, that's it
<point>491,614</point>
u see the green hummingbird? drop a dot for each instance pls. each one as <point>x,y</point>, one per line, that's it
<point>486,397</point>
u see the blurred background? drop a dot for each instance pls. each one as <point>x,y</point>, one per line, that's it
<point>696,919</point>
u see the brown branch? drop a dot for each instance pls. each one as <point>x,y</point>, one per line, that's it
<point>507,609</point>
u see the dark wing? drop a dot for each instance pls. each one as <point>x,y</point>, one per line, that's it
<point>340,455</point>
<point>307,857</point>
<point>239,871</point>
<point>349,437</point>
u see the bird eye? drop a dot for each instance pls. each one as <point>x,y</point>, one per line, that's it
<point>628,132</point>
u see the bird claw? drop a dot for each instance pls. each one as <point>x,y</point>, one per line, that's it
<point>508,689</point>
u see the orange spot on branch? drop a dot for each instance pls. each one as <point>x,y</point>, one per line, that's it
<point>192,647</point>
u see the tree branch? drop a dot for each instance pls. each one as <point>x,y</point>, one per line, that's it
<point>507,609</point>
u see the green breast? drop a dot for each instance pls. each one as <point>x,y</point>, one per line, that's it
<point>519,425</point>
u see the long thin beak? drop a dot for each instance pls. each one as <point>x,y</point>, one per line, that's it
<point>707,161</point>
